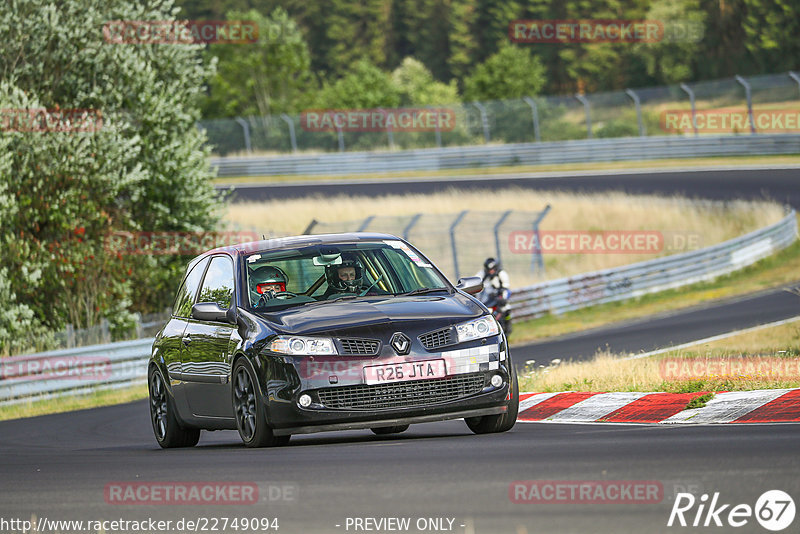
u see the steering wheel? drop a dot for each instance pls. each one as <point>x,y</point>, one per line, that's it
<point>269,295</point>
<point>284,294</point>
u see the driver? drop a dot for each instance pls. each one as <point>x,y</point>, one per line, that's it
<point>345,277</point>
<point>266,281</point>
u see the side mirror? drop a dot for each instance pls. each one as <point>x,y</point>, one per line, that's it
<point>210,311</point>
<point>471,285</point>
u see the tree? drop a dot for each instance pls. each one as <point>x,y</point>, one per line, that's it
<point>418,87</point>
<point>143,168</point>
<point>271,76</point>
<point>365,86</point>
<point>512,72</point>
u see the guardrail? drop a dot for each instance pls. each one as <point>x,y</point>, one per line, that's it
<point>115,365</point>
<point>609,285</point>
<point>582,151</point>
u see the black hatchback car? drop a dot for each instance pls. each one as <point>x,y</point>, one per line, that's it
<point>326,332</point>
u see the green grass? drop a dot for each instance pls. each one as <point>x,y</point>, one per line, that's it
<point>565,167</point>
<point>775,271</point>
<point>699,402</point>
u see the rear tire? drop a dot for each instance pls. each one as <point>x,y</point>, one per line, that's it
<point>385,430</point>
<point>250,412</point>
<point>167,429</point>
<point>490,424</point>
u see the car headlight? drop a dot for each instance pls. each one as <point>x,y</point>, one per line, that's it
<point>477,328</point>
<point>299,345</point>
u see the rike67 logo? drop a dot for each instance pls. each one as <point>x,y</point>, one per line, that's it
<point>774,510</point>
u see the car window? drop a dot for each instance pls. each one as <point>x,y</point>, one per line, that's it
<point>188,290</point>
<point>218,283</point>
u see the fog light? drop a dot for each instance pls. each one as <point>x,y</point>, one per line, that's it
<point>305,400</point>
<point>497,381</point>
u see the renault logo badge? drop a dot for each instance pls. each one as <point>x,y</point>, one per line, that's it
<point>400,343</point>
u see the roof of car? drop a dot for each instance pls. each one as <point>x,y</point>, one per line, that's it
<point>280,243</point>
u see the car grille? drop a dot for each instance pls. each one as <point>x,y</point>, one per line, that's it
<point>352,346</point>
<point>438,338</point>
<point>401,394</point>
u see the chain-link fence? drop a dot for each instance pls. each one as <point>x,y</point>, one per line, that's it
<point>458,242</point>
<point>633,112</point>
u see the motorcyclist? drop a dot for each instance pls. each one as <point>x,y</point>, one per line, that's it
<point>496,280</point>
<point>266,282</point>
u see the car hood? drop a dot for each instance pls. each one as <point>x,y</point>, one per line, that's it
<point>433,310</point>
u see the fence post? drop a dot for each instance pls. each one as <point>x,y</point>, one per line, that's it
<point>310,226</point>
<point>586,109</point>
<point>795,77</point>
<point>246,129</point>
<point>389,132</point>
<point>288,120</point>
<point>410,225</point>
<point>638,104</point>
<point>749,96</point>
<point>537,262</point>
<point>484,121</point>
<point>70,336</point>
<point>139,329</point>
<point>105,333</point>
<point>688,91</point>
<point>496,231</point>
<point>340,136</point>
<point>453,240</point>
<point>535,112</point>
<point>365,223</point>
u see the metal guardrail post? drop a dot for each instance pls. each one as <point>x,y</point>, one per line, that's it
<point>410,225</point>
<point>688,91</point>
<point>310,226</point>
<point>288,120</point>
<point>638,104</point>
<point>535,113</point>
<point>793,75</point>
<point>749,96</point>
<point>484,121</point>
<point>587,110</point>
<point>246,129</point>
<point>496,233</point>
<point>537,262</point>
<point>453,240</point>
<point>365,223</point>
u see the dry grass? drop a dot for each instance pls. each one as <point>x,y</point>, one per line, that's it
<point>609,372</point>
<point>711,222</point>
<point>70,404</point>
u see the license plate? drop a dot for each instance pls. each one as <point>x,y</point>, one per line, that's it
<point>401,372</point>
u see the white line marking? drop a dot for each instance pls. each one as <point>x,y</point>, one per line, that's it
<point>712,338</point>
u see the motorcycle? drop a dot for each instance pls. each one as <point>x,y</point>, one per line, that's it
<point>492,298</point>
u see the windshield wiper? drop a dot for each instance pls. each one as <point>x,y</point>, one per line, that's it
<point>422,290</point>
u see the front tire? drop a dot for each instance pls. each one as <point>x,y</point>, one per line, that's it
<point>167,429</point>
<point>385,430</point>
<point>490,424</point>
<point>250,412</point>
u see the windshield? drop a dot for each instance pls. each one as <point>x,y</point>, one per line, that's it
<point>325,273</point>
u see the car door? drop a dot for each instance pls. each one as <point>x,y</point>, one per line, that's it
<point>206,358</point>
<point>170,342</point>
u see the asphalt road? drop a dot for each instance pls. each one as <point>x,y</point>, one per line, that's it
<point>778,184</point>
<point>65,466</point>
<point>669,329</point>
<point>58,466</point>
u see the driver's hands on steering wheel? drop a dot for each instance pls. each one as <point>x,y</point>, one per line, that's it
<point>271,294</point>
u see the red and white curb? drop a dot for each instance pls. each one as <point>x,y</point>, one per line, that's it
<point>760,406</point>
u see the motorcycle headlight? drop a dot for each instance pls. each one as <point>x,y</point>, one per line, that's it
<point>299,346</point>
<point>477,328</point>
